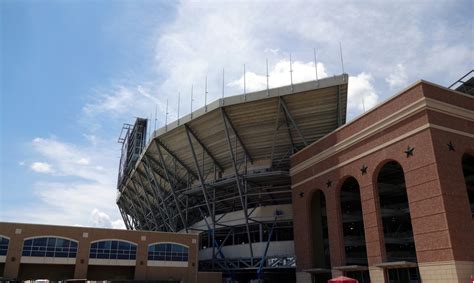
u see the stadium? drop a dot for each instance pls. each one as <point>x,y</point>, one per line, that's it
<point>279,188</point>
<point>223,171</point>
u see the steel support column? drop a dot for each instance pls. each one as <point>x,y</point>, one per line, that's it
<point>159,143</point>
<point>237,181</point>
<point>189,130</point>
<point>159,192</point>
<point>201,180</point>
<point>288,114</point>
<point>173,193</point>
<point>242,145</point>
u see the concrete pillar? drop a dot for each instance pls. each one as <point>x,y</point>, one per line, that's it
<point>376,274</point>
<point>303,277</point>
<point>336,273</point>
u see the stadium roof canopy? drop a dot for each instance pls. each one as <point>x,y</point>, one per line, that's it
<point>258,130</point>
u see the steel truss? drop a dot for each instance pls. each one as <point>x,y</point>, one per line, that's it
<point>194,190</point>
<point>162,195</point>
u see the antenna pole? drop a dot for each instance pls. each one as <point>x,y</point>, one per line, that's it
<point>192,87</point>
<point>205,95</point>
<point>245,88</point>
<point>223,85</point>
<point>291,73</point>
<point>342,60</point>
<point>179,102</point>
<point>166,116</point>
<point>156,113</point>
<point>268,91</point>
<point>316,65</point>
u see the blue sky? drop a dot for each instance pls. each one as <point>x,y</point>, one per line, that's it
<point>73,71</point>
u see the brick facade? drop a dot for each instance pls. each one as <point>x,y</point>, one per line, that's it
<point>425,117</point>
<point>15,266</point>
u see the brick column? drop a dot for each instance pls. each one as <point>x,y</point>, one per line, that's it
<point>142,258</point>
<point>82,259</point>
<point>373,228</point>
<point>12,263</point>
<point>335,232</point>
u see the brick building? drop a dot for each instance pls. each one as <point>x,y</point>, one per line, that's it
<point>390,195</point>
<point>29,251</point>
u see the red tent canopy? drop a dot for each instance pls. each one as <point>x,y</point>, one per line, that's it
<point>342,279</point>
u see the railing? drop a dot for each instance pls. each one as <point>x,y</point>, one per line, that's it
<point>465,84</point>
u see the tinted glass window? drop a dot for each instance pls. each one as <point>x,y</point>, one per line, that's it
<point>49,247</point>
<point>4,245</point>
<point>167,252</point>
<point>113,249</point>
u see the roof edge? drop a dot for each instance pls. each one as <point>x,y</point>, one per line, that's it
<point>253,96</point>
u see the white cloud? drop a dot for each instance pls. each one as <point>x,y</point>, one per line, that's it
<point>121,100</point>
<point>83,161</point>
<point>102,219</point>
<point>398,78</point>
<point>205,37</point>
<point>280,75</point>
<point>361,94</point>
<point>81,191</point>
<point>72,160</point>
<point>41,167</point>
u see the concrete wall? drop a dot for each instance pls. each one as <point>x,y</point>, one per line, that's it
<point>275,248</point>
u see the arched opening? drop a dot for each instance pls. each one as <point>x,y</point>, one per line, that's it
<point>397,228</point>
<point>321,256</point>
<point>468,171</point>
<point>353,230</point>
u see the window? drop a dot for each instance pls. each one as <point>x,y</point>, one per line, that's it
<point>353,228</point>
<point>50,247</point>
<point>4,245</point>
<point>168,252</point>
<point>395,212</point>
<point>468,171</point>
<point>113,249</point>
<point>320,235</point>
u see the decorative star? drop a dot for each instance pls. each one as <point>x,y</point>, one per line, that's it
<point>451,146</point>
<point>301,194</point>
<point>329,183</point>
<point>409,151</point>
<point>363,170</point>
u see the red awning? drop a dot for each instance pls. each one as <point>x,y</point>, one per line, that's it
<point>342,279</point>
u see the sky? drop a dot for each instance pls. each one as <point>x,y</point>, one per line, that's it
<point>72,72</point>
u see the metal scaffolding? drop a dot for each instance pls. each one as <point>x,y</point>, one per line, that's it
<point>223,172</point>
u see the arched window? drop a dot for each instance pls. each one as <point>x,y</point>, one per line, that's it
<point>113,249</point>
<point>49,247</point>
<point>396,220</point>
<point>353,229</point>
<point>4,241</point>
<point>321,255</point>
<point>167,252</point>
<point>468,170</point>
